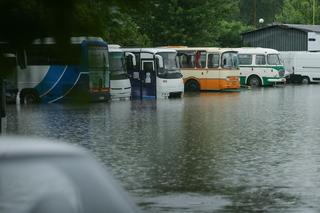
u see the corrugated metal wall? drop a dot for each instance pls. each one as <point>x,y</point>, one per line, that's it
<point>278,38</point>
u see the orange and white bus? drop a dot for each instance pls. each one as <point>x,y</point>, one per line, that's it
<point>209,68</point>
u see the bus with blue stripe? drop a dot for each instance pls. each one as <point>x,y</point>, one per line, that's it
<point>80,74</point>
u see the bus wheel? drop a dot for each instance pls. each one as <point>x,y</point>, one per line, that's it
<point>192,86</point>
<point>29,97</point>
<point>305,80</point>
<point>254,81</point>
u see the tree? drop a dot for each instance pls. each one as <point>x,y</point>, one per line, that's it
<point>298,12</point>
<point>266,9</point>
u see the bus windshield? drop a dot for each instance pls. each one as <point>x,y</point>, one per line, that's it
<point>98,58</point>
<point>117,66</point>
<point>230,60</point>
<point>273,59</point>
<point>170,68</point>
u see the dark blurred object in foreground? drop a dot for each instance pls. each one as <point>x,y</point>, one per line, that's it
<point>41,177</point>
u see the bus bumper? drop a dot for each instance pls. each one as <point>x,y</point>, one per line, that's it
<point>277,80</point>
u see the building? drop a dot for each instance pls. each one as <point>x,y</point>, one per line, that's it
<point>284,37</point>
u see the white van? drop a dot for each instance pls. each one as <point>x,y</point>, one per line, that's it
<point>302,65</point>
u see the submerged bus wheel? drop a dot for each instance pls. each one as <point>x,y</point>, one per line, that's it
<point>254,81</point>
<point>192,86</point>
<point>29,97</point>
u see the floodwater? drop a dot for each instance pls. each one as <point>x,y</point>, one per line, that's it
<point>251,151</point>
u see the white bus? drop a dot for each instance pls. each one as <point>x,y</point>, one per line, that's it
<point>156,74</point>
<point>120,87</point>
<point>260,67</point>
<point>302,67</point>
<point>209,68</point>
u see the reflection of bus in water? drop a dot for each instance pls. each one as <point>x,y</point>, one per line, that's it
<point>120,87</point>
<point>44,75</point>
<point>156,74</point>
<point>209,68</point>
<point>260,67</point>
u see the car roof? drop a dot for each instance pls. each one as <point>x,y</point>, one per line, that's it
<point>11,147</point>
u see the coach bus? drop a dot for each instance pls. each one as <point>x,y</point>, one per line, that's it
<point>209,68</point>
<point>120,87</point>
<point>81,74</point>
<point>260,67</point>
<point>156,74</point>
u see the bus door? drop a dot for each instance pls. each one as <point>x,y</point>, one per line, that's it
<point>200,64</point>
<point>213,71</point>
<point>134,75</point>
<point>148,79</point>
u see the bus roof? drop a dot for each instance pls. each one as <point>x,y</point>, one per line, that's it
<point>114,48</point>
<point>208,49</point>
<point>150,50</point>
<point>256,50</point>
<point>73,40</point>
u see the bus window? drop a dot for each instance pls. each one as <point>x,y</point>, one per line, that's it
<point>273,59</point>
<point>148,66</point>
<point>200,59</point>
<point>245,59</point>
<point>260,59</point>
<point>186,60</point>
<point>213,60</point>
<point>229,60</point>
<point>98,57</point>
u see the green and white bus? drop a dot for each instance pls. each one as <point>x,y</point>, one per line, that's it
<point>260,67</point>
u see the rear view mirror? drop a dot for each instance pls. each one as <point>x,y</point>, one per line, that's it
<point>134,61</point>
<point>160,61</point>
<point>21,59</point>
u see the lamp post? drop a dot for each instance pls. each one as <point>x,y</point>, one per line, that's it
<point>255,13</point>
<point>313,12</point>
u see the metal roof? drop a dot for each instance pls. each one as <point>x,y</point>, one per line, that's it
<point>301,27</point>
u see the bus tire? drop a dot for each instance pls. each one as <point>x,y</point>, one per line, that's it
<point>192,86</point>
<point>305,80</point>
<point>254,81</point>
<point>29,96</point>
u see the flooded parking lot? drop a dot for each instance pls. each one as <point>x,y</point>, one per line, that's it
<point>250,151</point>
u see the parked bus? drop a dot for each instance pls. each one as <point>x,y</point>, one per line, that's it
<point>260,67</point>
<point>301,66</point>
<point>82,74</point>
<point>156,74</point>
<point>120,87</point>
<point>209,68</point>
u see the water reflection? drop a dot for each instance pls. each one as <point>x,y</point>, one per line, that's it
<point>253,151</point>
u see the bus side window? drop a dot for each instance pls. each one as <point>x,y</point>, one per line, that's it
<point>245,59</point>
<point>260,59</point>
<point>213,60</point>
<point>200,59</point>
<point>186,60</point>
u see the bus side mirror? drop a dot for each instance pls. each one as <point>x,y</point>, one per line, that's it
<point>160,61</point>
<point>134,61</point>
<point>21,60</point>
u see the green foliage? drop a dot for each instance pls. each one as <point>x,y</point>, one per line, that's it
<point>121,29</point>
<point>146,23</point>
<point>230,33</point>
<point>266,9</point>
<point>298,12</point>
